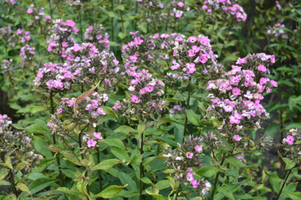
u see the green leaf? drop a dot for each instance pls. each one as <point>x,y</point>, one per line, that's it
<point>141,128</point>
<point>23,188</point>
<point>39,127</point>
<point>69,173</point>
<point>227,193</point>
<point>121,154</point>
<point>274,181</point>
<point>37,109</point>
<point>272,129</point>
<point>3,173</point>
<point>121,35</point>
<point>71,157</point>
<point>71,192</point>
<point>157,196</point>
<point>245,196</point>
<point>2,182</point>
<point>235,162</point>
<point>8,162</point>
<point>207,172</point>
<point>294,195</point>
<point>115,143</point>
<point>120,7</point>
<point>126,179</point>
<point>293,125</point>
<point>109,192</point>
<point>113,15</point>
<point>126,130</point>
<point>40,146</point>
<point>142,27</point>
<point>289,163</point>
<point>40,184</point>
<point>163,120</point>
<point>106,164</point>
<point>193,118</point>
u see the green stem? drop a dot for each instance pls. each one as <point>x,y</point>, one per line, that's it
<point>136,10</point>
<point>298,70</point>
<point>177,193</point>
<point>49,1</point>
<point>216,178</point>
<point>187,106</point>
<point>81,27</point>
<point>99,174</point>
<point>141,168</point>
<point>280,115</point>
<point>54,142</point>
<point>286,177</point>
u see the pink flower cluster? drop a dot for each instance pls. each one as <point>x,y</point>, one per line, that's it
<point>91,142</point>
<point>27,53</point>
<point>197,53</point>
<point>237,97</point>
<point>205,185</point>
<point>5,33</point>
<point>21,37</point>
<point>292,145</point>
<point>7,3</point>
<point>36,12</point>
<point>7,67</point>
<point>89,105</point>
<point>226,7</point>
<point>178,8</point>
<point>73,2</point>
<point>5,121</point>
<point>96,35</point>
<point>277,32</point>
<point>60,40</point>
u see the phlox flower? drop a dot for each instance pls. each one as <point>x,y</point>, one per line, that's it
<point>198,148</point>
<point>135,99</point>
<point>97,136</point>
<point>262,68</point>
<point>273,83</point>
<point>100,111</point>
<point>192,39</point>
<point>236,138</point>
<point>195,183</point>
<point>91,143</point>
<point>190,68</point>
<point>236,91</point>
<point>190,155</point>
<point>290,139</point>
<point>189,177</point>
<point>149,88</point>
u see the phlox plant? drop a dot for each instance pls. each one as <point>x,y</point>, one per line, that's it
<point>143,99</point>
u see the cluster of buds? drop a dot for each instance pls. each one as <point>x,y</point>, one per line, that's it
<point>277,32</point>
<point>97,36</point>
<point>36,12</point>
<point>236,99</point>
<point>177,109</point>
<point>75,3</point>
<point>26,54</point>
<point>60,40</point>
<point>177,8</point>
<point>91,140</point>
<point>21,37</point>
<point>89,110</point>
<point>7,68</point>
<point>185,160</point>
<point>226,8</point>
<point>17,144</point>
<point>144,96</point>
<point>292,145</point>
<point>5,33</point>
<point>8,3</point>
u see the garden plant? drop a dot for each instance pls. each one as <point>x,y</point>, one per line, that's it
<point>150,99</point>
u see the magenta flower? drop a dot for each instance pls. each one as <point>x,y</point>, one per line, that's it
<point>59,111</point>
<point>149,88</point>
<point>190,155</point>
<point>262,68</point>
<point>198,148</point>
<point>236,138</point>
<point>180,4</point>
<point>189,177</point>
<point>192,39</point>
<point>97,136</point>
<point>190,68</point>
<point>91,143</point>
<point>273,83</point>
<point>135,99</point>
<point>290,139</point>
<point>30,10</point>
<point>195,183</point>
<point>100,111</point>
<point>236,91</point>
<point>239,157</point>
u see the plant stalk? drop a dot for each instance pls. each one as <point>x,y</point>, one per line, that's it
<point>286,177</point>
<point>187,106</point>
<point>216,178</point>
<point>141,168</point>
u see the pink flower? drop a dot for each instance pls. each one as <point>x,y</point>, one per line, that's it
<point>236,91</point>
<point>30,10</point>
<point>116,106</point>
<point>236,138</point>
<point>180,4</point>
<point>273,83</point>
<point>149,88</point>
<point>189,177</point>
<point>290,139</point>
<point>97,136</point>
<point>59,111</point>
<point>239,157</point>
<point>192,39</point>
<point>198,148</point>
<point>135,99</point>
<point>203,59</point>
<point>262,68</point>
<point>190,155</point>
<point>195,183</point>
<point>190,68</point>
<point>133,58</point>
<point>100,111</point>
<point>91,143</point>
